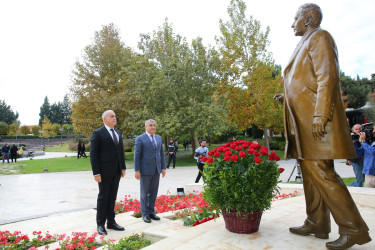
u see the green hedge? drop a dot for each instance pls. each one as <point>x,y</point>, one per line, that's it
<point>29,137</point>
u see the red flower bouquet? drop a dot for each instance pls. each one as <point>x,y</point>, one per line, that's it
<point>241,176</point>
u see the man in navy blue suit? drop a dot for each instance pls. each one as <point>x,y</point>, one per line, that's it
<point>149,163</point>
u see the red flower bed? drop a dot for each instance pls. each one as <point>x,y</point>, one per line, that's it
<point>17,240</point>
<point>163,203</point>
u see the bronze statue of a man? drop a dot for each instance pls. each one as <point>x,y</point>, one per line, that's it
<point>316,132</point>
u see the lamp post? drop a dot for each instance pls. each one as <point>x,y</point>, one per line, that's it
<point>61,131</point>
<point>41,137</point>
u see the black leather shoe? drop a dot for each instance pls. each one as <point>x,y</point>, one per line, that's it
<point>154,217</point>
<point>347,241</point>
<point>146,219</point>
<point>101,230</point>
<point>307,230</point>
<point>115,227</point>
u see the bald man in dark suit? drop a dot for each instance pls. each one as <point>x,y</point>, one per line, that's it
<point>108,166</point>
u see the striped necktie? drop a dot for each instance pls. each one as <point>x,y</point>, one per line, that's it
<point>153,141</point>
<point>114,136</point>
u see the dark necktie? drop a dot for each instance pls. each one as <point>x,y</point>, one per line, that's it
<point>153,141</point>
<point>114,136</point>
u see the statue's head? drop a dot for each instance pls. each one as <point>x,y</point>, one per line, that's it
<point>308,16</point>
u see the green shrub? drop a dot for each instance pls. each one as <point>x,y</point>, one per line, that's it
<point>73,147</point>
<point>128,145</point>
<point>133,242</point>
<point>4,128</point>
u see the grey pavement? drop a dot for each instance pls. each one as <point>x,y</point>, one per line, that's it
<point>26,196</point>
<point>49,155</point>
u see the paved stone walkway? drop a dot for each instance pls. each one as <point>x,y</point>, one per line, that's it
<point>25,196</point>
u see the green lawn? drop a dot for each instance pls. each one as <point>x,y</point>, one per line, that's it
<point>67,164</point>
<point>59,148</point>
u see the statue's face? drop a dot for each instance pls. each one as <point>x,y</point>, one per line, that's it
<point>298,25</point>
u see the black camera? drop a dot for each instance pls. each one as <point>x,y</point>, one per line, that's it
<point>197,154</point>
<point>368,129</point>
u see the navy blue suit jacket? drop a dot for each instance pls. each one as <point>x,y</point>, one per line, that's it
<point>146,158</point>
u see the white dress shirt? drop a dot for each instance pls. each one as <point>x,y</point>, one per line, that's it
<point>110,132</point>
<point>149,136</point>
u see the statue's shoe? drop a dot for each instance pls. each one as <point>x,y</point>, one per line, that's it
<point>346,241</point>
<point>307,230</point>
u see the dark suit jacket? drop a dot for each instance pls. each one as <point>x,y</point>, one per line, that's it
<point>146,158</point>
<point>312,89</point>
<point>106,158</point>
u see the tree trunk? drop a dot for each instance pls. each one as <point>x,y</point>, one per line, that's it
<point>166,144</point>
<point>194,144</point>
<point>266,141</point>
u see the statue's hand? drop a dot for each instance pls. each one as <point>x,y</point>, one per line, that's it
<point>279,97</point>
<point>319,127</point>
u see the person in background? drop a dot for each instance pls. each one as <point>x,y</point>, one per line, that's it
<point>22,150</point>
<point>369,159</point>
<point>79,148</point>
<point>172,149</point>
<point>357,162</point>
<point>83,150</point>
<point>199,154</point>
<point>5,149</point>
<point>13,153</point>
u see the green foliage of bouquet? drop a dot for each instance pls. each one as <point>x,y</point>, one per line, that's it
<point>241,176</point>
<point>133,242</point>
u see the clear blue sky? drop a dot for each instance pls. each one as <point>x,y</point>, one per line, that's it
<point>41,40</point>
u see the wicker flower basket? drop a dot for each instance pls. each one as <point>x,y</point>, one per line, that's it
<point>237,224</point>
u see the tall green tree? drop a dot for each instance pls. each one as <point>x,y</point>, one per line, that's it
<point>25,130</point>
<point>356,90</point>
<point>66,111</point>
<point>14,128</point>
<point>103,80</point>
<point>35,130</point>
<point>45,110</point>
<point>181,90</point>
<point>7,115</point>
<point>4,128</point>
<point>250,78</point>
<point>56,113</point>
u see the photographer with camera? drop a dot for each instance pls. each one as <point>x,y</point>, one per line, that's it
<point>198,155</point>
<point>357,162</point>
<point>368,144</point>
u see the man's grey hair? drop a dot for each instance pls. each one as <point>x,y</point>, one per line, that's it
<point>357,125</point>
<point>105,113</point>
<point>148,121</point>
<point>312,10</point>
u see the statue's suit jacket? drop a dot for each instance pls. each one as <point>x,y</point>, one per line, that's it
<point>312,89</point>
